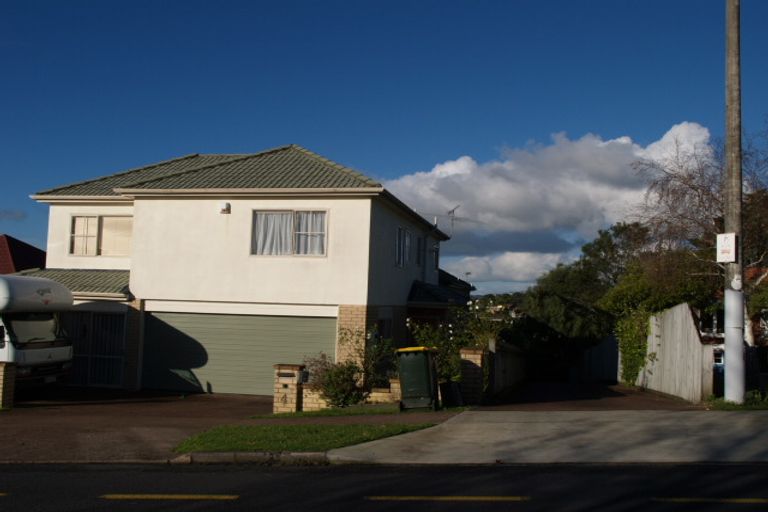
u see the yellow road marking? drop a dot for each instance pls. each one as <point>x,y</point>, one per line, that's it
<point>731,501</point>
<point>448,498</point>
<point>216,497</point>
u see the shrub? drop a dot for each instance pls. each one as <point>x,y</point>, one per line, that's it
<point>340,384</point>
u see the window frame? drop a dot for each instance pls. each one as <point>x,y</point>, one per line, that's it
<point>402,247</point>
<point>98,237</point>
<point>293,212</point>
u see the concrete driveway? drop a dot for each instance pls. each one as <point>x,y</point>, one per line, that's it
<point>555,437</point>
<point>80,425</point>
<point>561,422</point>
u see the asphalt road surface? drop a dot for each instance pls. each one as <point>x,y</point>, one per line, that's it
<point>31,488</point>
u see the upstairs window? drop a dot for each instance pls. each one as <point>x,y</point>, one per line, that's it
<point>100,236</point>
<point>419,251</point>
<point>402,247</point>
<point>287,233</point>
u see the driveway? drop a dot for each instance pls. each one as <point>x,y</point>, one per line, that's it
<point>586,396</point>
<point>75,425</point>
<point>554,437</point>
<point>91,425</point>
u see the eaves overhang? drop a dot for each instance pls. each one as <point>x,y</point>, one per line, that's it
<point>249,192</point>
<point>54,199</point>
<point>116,297</point>
<point>398,203</point>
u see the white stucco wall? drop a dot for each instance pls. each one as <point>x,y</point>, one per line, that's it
<point>186,250</point>
<point>59,226</point>
<point>390,284</point>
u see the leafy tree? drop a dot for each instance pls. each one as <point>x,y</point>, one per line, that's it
<point>567,299</point>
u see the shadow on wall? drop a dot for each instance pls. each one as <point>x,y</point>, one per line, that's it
<point>170,356</point>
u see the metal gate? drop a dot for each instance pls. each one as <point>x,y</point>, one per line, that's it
<point>98,341</point>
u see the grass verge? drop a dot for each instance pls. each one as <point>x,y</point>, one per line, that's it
<point>719,404</point>
<point>289,438</point>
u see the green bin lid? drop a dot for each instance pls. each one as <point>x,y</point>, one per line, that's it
<point>416,349</point>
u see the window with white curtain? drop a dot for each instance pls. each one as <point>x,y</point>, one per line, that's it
<point>100,235</point>
<point>285,233</point>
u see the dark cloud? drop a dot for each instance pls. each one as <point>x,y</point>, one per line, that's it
<point>469,243</point>
<point>13,215</point>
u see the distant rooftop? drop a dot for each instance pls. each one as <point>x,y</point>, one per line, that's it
<point>16,255</point>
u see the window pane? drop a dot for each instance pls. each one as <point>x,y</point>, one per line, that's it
<point>83,236</point>
<point>116,236</point>
<point>272,233</point>
<point>310,233</point>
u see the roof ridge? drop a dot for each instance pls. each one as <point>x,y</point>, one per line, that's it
<point>245,156</point>
<point>347,170</point>
<point>121,173</point>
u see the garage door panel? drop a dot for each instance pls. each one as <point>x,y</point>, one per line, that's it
<point>228,353</point>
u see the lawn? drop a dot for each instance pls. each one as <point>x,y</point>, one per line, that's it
<point>289,438</point>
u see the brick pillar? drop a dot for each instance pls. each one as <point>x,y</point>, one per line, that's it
<point>288,388</point>
<point>472,360</point>
<point>7,384</point>
<point>134,344</point>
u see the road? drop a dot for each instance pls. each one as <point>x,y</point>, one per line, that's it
<point>118,488</point>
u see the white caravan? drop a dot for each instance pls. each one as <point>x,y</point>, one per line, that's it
<point>30,332</point>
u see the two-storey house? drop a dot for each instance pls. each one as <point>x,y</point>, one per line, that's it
<point>201,272</point>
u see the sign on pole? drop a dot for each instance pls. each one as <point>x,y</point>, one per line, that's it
<point>726,248</point>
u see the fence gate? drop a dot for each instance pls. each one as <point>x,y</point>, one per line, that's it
<point>99,347</point>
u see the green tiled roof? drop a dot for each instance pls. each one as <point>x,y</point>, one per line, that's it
<point>85,281</point>
<point>287,167</point>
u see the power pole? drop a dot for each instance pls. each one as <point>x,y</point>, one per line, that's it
<point>734,296</point>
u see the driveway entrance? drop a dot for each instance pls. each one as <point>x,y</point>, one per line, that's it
<point>97,425</point>
<point>579,396</point>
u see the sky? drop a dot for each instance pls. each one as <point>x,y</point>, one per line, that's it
<point>526,114</point>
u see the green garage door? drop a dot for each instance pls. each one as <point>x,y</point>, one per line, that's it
<point>228,353</point>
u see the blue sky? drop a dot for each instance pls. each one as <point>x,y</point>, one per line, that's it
<point>390,88</point>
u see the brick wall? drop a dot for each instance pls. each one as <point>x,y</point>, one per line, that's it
<point>7,384</point>
<point>312,401</point>
<point>354,322</point>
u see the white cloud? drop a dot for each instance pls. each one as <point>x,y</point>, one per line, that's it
<point>509,266</point>
<point>571,187</point>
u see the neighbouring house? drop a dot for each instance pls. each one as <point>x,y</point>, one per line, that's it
<point>201,272</point>
<point>16,255</point>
